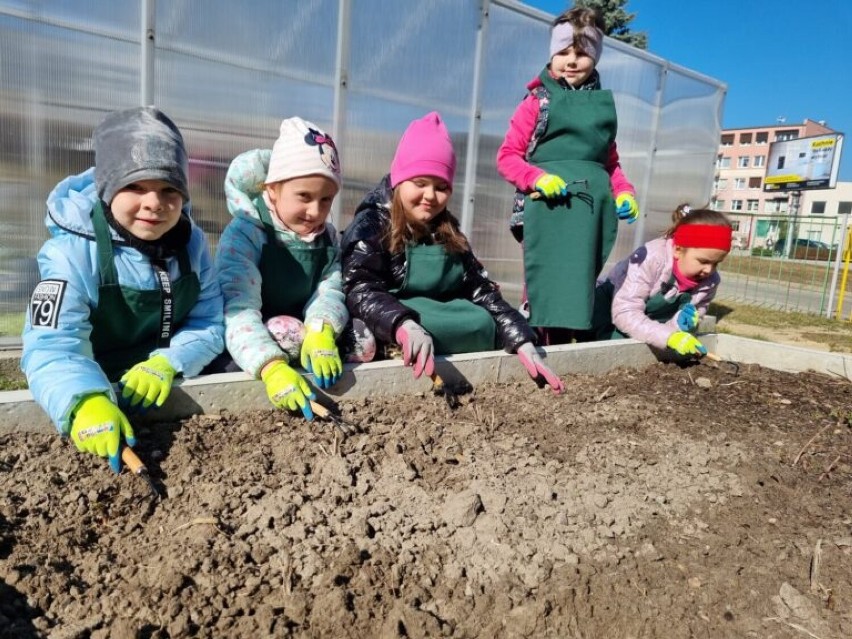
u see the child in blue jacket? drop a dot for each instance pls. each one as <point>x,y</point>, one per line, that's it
<point>128,291</point>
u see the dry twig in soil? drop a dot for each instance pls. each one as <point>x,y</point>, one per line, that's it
<point>810,441</point>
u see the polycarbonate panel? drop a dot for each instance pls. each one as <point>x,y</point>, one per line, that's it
<point>286,38</point>
<point>420,53</point>
<point>228,73</point>
<point>51,97</point>
<point>121,19</point>
<point>686,146</point>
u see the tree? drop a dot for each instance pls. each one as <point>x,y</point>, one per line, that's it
<point>615,20</point>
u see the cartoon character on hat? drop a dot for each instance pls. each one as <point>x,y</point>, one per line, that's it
<point>327,149</point>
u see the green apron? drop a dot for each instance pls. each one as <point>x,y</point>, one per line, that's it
<point>290,274</point>
<point>567,242</point>
<point>431,287</point>
<point>657,308</point>
<point>128,323</point>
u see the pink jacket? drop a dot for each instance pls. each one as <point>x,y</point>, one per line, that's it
<point>511,157</point>
<point>639,277</point>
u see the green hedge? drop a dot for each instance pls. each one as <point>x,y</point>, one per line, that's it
<point>762,252</point>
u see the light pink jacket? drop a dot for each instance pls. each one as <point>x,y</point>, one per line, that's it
<point>641,276</point>
<point>511,157</point>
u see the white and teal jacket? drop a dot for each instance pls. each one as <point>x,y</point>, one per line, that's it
<point>237,261</point>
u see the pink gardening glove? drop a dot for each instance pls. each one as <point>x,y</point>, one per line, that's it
<point>536,367</point>
<point>417,348</point>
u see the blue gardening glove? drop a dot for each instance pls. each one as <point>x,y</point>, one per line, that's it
<point>97,427</point>
<point>551,186</point>
<point>417,348</point>
<point>287,389</point>
<point>687,319</point>
<point>685,344</point>
<point>536,367</point>
<point>321,357</point>
<point>147,383</point>
<point>626,207</point>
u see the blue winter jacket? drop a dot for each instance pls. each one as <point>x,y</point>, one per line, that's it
<point>57,359</point>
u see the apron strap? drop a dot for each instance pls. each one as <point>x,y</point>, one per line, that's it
<point>103,240</point>
<point>266,218</point>
<point>164,337</point>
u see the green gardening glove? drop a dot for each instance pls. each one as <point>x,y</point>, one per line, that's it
<point>685,344</point>
<point>287,389</point>
<point>321,357</point>
<point>97,426</point>
<point>551,186</point>
<point>149,382</point>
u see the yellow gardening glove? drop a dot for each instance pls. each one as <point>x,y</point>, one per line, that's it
<point>551,186</point>
<point>321,357</point>
<point>149,382</point>
<point>626,207</point>
<point>685,344</point>
<point>97,426</point>
<point>287,389</point>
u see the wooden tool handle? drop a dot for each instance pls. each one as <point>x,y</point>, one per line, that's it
<point>319,409</point>
<point>713,357</point>
<point>133,462</point>
<point>437,381</point>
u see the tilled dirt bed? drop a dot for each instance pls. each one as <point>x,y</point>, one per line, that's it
<point>668,502</point>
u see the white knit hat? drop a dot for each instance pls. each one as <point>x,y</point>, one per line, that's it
<point>302,148</point>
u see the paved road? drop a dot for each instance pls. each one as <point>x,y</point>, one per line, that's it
<point>778,294</point>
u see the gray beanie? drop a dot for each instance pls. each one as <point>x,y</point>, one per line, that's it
<point>138,144</point>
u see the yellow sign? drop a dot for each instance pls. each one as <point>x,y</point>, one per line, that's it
<point>822,144</point>
<point>780,179</point>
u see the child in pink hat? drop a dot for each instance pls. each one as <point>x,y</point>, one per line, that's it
<point>409,273</point>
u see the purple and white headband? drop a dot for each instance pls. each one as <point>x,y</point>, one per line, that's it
<point>562,37</point>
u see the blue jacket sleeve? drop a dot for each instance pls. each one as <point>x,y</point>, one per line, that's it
<point>57,358</point>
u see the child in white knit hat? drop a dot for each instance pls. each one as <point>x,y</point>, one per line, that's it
<point>279,267</point>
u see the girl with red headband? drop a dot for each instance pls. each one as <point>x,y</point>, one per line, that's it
<point>660,293</point>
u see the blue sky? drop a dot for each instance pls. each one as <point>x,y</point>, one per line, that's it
<point>779,58</point>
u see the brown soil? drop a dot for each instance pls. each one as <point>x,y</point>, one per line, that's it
<point>667,503</point>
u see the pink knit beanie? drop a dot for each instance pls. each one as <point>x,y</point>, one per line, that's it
<point>424,149</point>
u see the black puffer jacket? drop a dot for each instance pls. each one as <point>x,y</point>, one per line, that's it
<point>370,271</point>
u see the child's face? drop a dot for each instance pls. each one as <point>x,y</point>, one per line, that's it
<point>574,68</point>
<point>424,197</point>
<point>698,263</point>
<point>302,204</point>
<point>148,208</point>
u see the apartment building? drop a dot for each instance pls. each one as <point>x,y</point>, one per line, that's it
<point>741,166</point>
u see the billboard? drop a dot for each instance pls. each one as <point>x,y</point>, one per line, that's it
<point>804,163</point>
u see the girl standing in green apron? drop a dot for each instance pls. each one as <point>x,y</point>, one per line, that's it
<point>409,272</point>
<point>660,293</point>
<point>128,292</point>
<point>279,267</point>
<point>560,154</point>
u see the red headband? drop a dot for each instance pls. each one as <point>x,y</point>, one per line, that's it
<point>711,236</point>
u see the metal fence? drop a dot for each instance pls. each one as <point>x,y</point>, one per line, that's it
<point>790,263</point>
<point>228,72</point>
